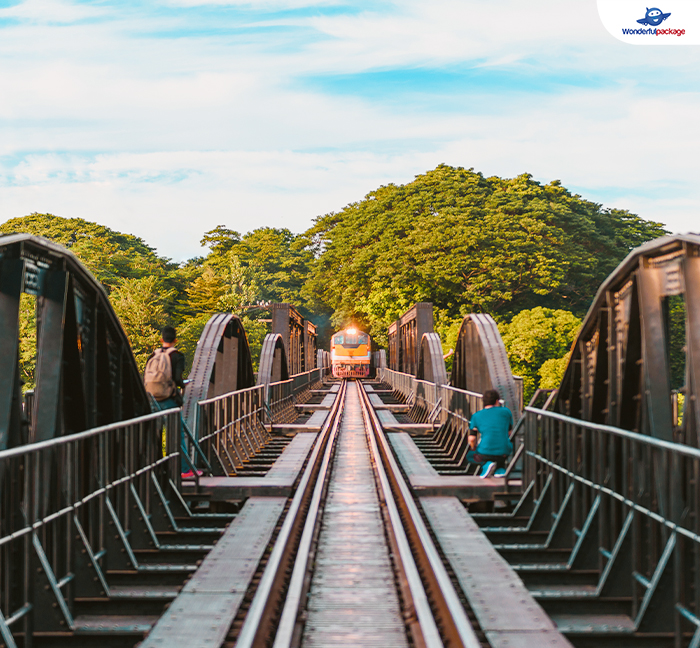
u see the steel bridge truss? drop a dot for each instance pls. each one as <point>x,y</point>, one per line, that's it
<point>620,369</point>
<point>607,535</point>
<point>68,539</point>
<point>85,371</point>
<point>406,335</point>
<point>222,364</point>
<point>480,362</point>
<point>298,336</point>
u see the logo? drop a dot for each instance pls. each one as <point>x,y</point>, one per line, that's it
<point>654,17</point>
<point>663,22</point>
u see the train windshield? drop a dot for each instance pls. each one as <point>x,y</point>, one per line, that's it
<point>351,340</point>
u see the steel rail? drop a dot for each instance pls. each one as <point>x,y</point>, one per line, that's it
<point>452,618</point>
<point>424,628</point>
<point>299,581</point>
<point>257,625</point>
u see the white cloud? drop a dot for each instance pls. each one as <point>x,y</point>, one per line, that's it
<point>167,124</point>
<point>51,11</point>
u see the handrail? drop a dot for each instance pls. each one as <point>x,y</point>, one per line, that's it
<point>72,500</point>
<point>629,494</point>
<point>79,436</point>
<point>681,448</point>
<point>220,397</point>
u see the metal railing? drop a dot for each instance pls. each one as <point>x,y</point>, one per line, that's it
<point>231,429</point>
<point>307,379</point>
<point>629,506</point>
<point>437,404</point>
<point>73,508</point>
<point>281,399</point>
<point>234,427</point>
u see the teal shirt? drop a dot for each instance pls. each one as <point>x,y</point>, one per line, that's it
<point>493,425</point>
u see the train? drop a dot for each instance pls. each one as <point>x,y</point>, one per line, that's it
<point>350,354</point>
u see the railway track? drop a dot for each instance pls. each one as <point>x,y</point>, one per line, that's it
<point>353,562</point>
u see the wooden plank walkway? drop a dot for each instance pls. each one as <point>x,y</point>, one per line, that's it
<point>391,424</point>
<point>278,481</point>
<point>410,457</point>
<point>291,460</point>
<point>386,418</point>
<point>425,480</point>
<point>317,419</point>
<point>326,403</point>
<point>505,609</point>
<point>202,613</point>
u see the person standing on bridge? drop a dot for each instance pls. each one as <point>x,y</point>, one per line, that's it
<point>163,374</point>
<point>163,380</point>
<point>491,426</point>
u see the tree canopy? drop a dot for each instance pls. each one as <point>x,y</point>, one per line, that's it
<point>111,256</point>
<point>538,341</point>
<point>468,244</point>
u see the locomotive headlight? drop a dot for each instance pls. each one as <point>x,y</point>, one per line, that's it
<point>352,331</point>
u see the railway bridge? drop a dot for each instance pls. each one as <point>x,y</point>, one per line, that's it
<point>344,513</point>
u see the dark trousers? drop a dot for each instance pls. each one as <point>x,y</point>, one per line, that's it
<point>474,457</point>
<point>166,404</point>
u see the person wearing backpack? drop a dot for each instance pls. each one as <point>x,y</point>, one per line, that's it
<point>163,380</point>
<point>163,374</point>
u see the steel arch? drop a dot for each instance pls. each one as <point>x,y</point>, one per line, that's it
<point>431,364</point>
<point>86,375</point>
<point>273,360</point>
<point>619,370</point>
<point>222,363</point>
<point>480,361</point>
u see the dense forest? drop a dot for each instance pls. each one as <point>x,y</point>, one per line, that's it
<point>532,255</point>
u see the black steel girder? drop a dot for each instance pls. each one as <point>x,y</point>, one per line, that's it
<point>86,375</point>
<point>619,372</point>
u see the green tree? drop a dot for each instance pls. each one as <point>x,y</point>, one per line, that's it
<point>675,320</point>
<point>240,286</point>
<point>552,371</point>
<point>109,255</point>
<point>140,305</point>
<point>188,334</point>
<point>205,291</point>
<point>255,331</point>
<point>534,337</point>
<point>27,340</point>
<point>275,260</point>
<point>448,330</point>
<point>220,240</point>
<point>467,243</point>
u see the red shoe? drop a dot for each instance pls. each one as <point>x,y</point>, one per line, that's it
<point>190,475</point>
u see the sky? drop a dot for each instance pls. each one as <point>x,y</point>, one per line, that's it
<point>166,118</point>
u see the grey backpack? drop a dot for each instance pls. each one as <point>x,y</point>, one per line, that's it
<point>158,376</point>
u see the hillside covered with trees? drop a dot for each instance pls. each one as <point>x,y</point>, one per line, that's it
<point>532,255</point>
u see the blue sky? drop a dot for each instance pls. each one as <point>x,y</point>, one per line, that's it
<point>167,118</point>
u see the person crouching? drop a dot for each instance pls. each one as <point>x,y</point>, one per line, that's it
<point>491,426</point>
